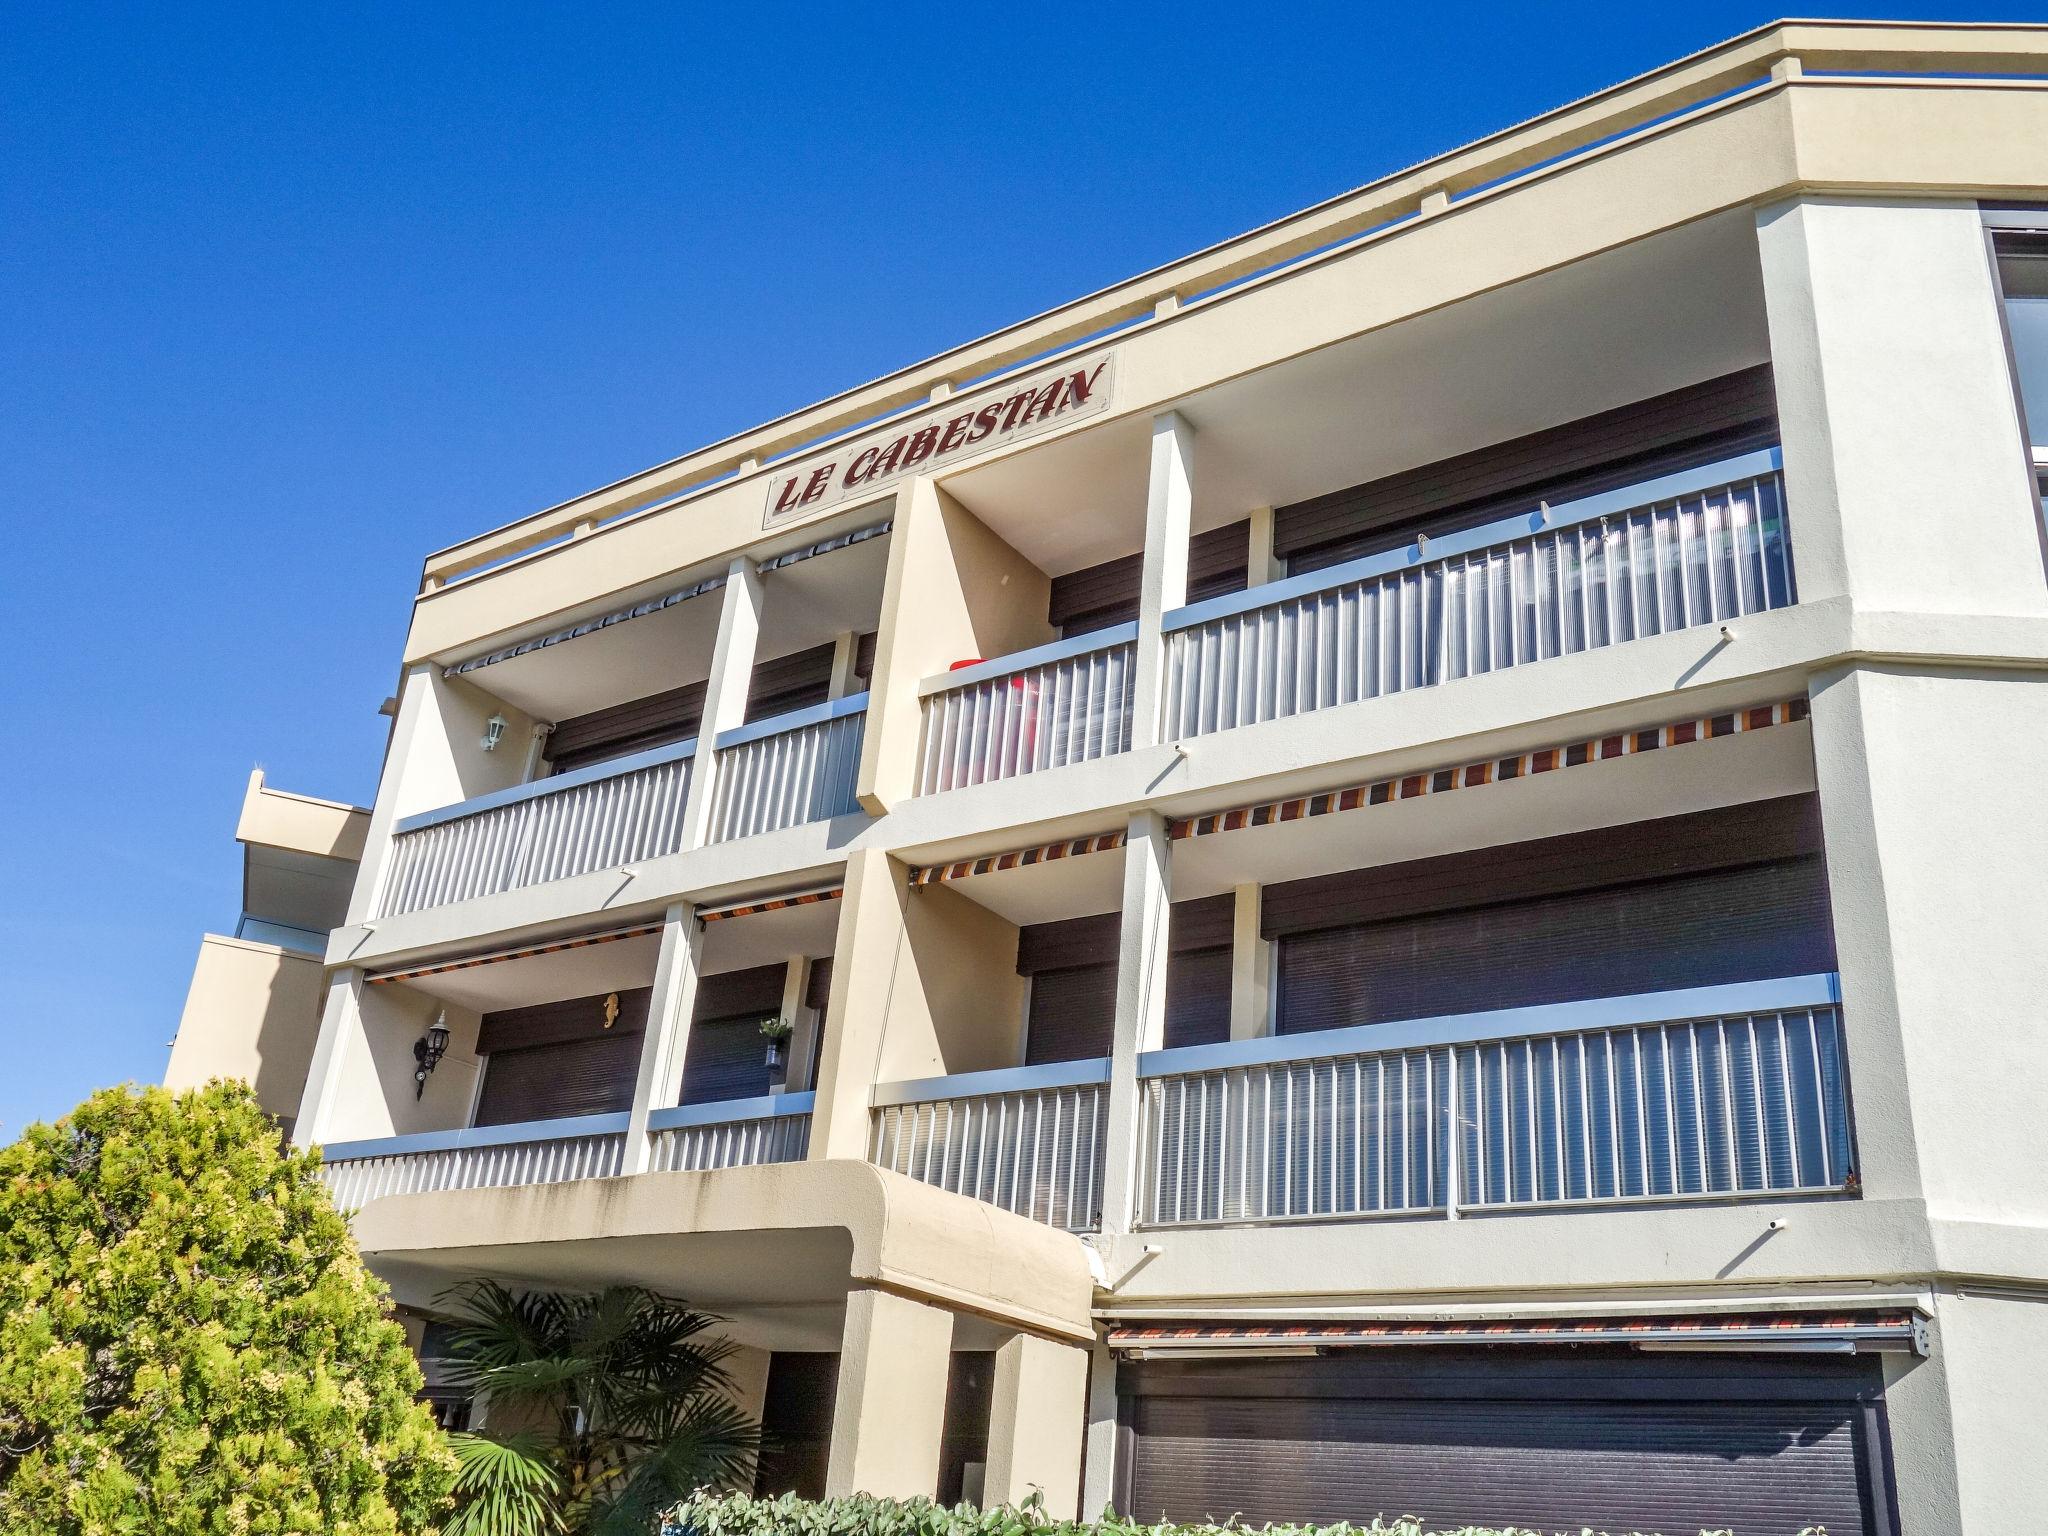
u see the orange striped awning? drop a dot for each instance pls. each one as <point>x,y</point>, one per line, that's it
<point>1862,1330</point>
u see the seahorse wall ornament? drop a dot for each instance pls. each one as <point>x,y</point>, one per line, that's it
<point>611,1009</point>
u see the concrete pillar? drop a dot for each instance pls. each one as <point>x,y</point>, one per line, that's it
<point>801,1046</point>
<point>890,1409</point>
<point>659,1082</point>
<point>845,652</point>
<point>1098,1472</point>
<point>867,955</point>
<point>1163,579</point>
<point>341,1027</point>
<point>1935,843</point>
<point>725,691</point>
<point>1261,564</point>
<point>1251,967</point>
<point>1906,483</point>
<point>1141,959</point>
<point>435,757</point>
<point>1037,1417</point>
<point>954,590</point>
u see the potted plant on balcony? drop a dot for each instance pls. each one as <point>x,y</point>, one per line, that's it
<point>776,1031</point>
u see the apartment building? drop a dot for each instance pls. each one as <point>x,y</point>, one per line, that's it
<point>1393,868</point>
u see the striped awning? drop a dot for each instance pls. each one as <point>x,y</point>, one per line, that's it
<point>666,600</point>
<point>1020,858</point>
<point>1496,770</point>
<point>525,952</point>
<point>1863,1330</point>
<point>771,904</point>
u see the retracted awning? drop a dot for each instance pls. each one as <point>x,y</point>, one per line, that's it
<point>1892,1330</point>
<point>665,600</point>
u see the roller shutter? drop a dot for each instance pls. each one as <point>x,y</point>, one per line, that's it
<point>1072,966</point>
<point>1102,595</point>
<point>727,1057</point>
<point>1687,427</point>
<point>1762,1445</point>
<point>554,1060</point>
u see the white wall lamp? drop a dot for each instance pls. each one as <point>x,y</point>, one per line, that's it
<point>428,1051</point>
<point>494,732</point>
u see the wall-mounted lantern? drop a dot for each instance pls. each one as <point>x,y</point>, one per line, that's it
<point>494,732</point>
<point>428,1051</point>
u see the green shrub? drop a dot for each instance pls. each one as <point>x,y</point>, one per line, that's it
<point>189,1342</point>
<point>735,1515</point>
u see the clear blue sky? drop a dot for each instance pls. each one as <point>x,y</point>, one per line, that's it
<point>291,295</point>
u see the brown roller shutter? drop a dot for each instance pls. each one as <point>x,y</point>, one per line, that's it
<point>727,1057</point>
<point>1757,832</point>
<point>1073,990</point>
<point>1107,594</point>
<point>864,658</point>
<point>1072,1015</point>
<point>554,1060</point>
<point>640,725</point>
<point>796,681</point>
<point>1748,924</point>
<point>756,990</point>
<point>1198,997</point>
<point>818,986</point>
<point>1695,425</point>
<point>1607,1440</point>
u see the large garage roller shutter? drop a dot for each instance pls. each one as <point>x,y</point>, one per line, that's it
<point>1647,1450</point>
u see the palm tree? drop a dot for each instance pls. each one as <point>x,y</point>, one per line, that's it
<point>604,1410</point>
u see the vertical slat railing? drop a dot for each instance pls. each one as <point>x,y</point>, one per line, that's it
<point>1747,1105</point>
<point>746,1134</point>
<point>355,1178</point>
<point>785,772</point>
<point>1037,715</point>
<point>597,818</point>
<point>1523,590</point>
<point>1036,1152</point>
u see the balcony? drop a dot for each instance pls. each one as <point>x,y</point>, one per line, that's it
<point>1067,702</point>
<point>1702,547</point>
<point>791,769</point>
<point>593,818</point>
<point>690,1138</point>
<point>1705,1094</point>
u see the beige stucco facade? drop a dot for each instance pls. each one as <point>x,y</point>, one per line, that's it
<point>1811,200</point>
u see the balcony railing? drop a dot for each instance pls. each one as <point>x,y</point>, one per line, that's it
<point>740,1133</point>
<point>692,1138</point>
<point>1062,703</point>
<point>1715,1093</point>
<point>1028,1139</point>
<point>789,770</point>
<point>1701,547</point>
<point>594,818</point>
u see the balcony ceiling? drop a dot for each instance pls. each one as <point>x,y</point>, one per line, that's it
<point>806,605</point>
<point>1649,317</point>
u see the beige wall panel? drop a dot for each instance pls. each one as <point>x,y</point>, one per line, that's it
<point>252,1014</point>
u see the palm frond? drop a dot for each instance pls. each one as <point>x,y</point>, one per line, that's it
<point>504,1487</point>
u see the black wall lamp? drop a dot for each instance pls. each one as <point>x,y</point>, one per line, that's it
<point>428,1051</point>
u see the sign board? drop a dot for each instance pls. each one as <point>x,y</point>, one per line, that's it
<point>1015,409</point>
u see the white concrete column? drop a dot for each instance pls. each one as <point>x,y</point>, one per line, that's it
<point>1163,580</point>
<point>1251,966</point>
<point>1906,483</point>
<point>659,1082</point>
<point>415,698</point>
<point>725,691</point>
<point>845,652</point>
<point>890,1408</point>
<point>341,1028</point>
<point>1261,564</point>
<point>796,977</point>
<point>1036,1419</point>
<point>1141,960</point>
<point>1098,1471</point>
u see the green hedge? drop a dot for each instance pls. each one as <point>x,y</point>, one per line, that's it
<point>737,1515</point>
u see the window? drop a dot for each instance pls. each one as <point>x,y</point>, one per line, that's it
<point>2023,276</point>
